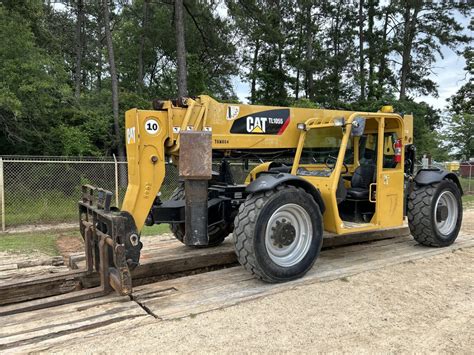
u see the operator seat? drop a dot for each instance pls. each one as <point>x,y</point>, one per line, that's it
<point>363,176</point>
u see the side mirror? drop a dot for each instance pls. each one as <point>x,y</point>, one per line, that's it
<point>358,127</point>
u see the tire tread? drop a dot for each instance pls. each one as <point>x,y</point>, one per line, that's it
<point>419,213</point>
<point>245,226</point>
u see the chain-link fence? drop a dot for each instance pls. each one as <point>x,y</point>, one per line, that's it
<point>39,190</point>
<point>45,190</point>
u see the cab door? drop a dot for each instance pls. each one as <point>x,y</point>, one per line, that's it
<point>388,189</point>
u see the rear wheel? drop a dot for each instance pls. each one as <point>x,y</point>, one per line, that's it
<point>278,233</point>
<point>217,233</point>
<point>435,213</point>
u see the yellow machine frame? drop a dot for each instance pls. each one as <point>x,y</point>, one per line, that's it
<point>278,215</point>
<point>147,153</point>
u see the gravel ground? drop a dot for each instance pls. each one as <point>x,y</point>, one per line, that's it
<point>422,306</point>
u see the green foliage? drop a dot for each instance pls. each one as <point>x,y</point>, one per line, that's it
<point>292,52</point>
<point>75,142</point>
<point>459,132</point>
<point>38,111</point>
<point>304,103</point>
<point>34,87</point>
<point>463,100</point>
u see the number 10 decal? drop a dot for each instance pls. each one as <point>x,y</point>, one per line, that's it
<point>152,126</point>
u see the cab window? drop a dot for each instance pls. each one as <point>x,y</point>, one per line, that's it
<point>322,143</point>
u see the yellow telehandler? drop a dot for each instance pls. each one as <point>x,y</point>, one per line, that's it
<point>339,171</point>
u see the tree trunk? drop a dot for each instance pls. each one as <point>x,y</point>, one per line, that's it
<point>408,36</point>
<point>371,48</point>
<point>79,46</point>
<point>383,55</point>
<point>99,44</point>
<point>142,46</point>
<point>180,48</point>
<point>298,65</point>
<point>114,80</point>
<point>297,86</point>
<point>361,51</point>
<point>309,55</point>
<point>336,43</point>
<point>99,65</point>
<point>253,84</point>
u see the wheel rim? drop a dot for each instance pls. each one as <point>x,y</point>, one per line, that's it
<point>288,235</point>
<point>446,213</point>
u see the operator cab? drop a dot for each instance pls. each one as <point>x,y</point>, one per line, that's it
<point>345,161</point>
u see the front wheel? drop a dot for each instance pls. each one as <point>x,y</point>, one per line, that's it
<point>435,213</point>
<point>278,233</point>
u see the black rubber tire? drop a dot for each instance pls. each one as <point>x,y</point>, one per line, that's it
<point>217,234</point>
<point>250,226</point>
<point>421,214</point>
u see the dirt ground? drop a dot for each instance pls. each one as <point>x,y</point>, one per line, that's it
<point>421,306</point>
<point>67,245</point>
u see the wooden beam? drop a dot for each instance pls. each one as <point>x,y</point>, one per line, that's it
<point>191,295</point>
<point>163,260</point>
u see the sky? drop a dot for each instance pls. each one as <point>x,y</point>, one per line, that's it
<point>448,73</point>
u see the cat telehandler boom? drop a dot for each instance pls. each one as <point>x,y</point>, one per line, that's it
<point>339,171</point>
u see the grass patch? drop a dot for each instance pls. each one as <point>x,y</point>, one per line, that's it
<point>466,184</point>
<point>45,208</point>
<point>28,243</point>
<point>468,201</point>
<point>156,229</point>
<point>24,208</point>
<point>45,242</point>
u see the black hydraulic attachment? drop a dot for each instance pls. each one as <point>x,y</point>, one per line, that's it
<point>112,243</point>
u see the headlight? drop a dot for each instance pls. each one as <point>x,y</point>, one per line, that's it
<point>339,121</point>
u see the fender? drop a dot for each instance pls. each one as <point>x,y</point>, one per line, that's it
<point>431,176</point>
<point>267,182</point>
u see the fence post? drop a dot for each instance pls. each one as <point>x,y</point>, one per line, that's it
<point>2,194</point>
<point>470,177</point>
<point>116,182</point>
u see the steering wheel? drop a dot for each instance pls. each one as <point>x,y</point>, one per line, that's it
<point>328,164</point>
